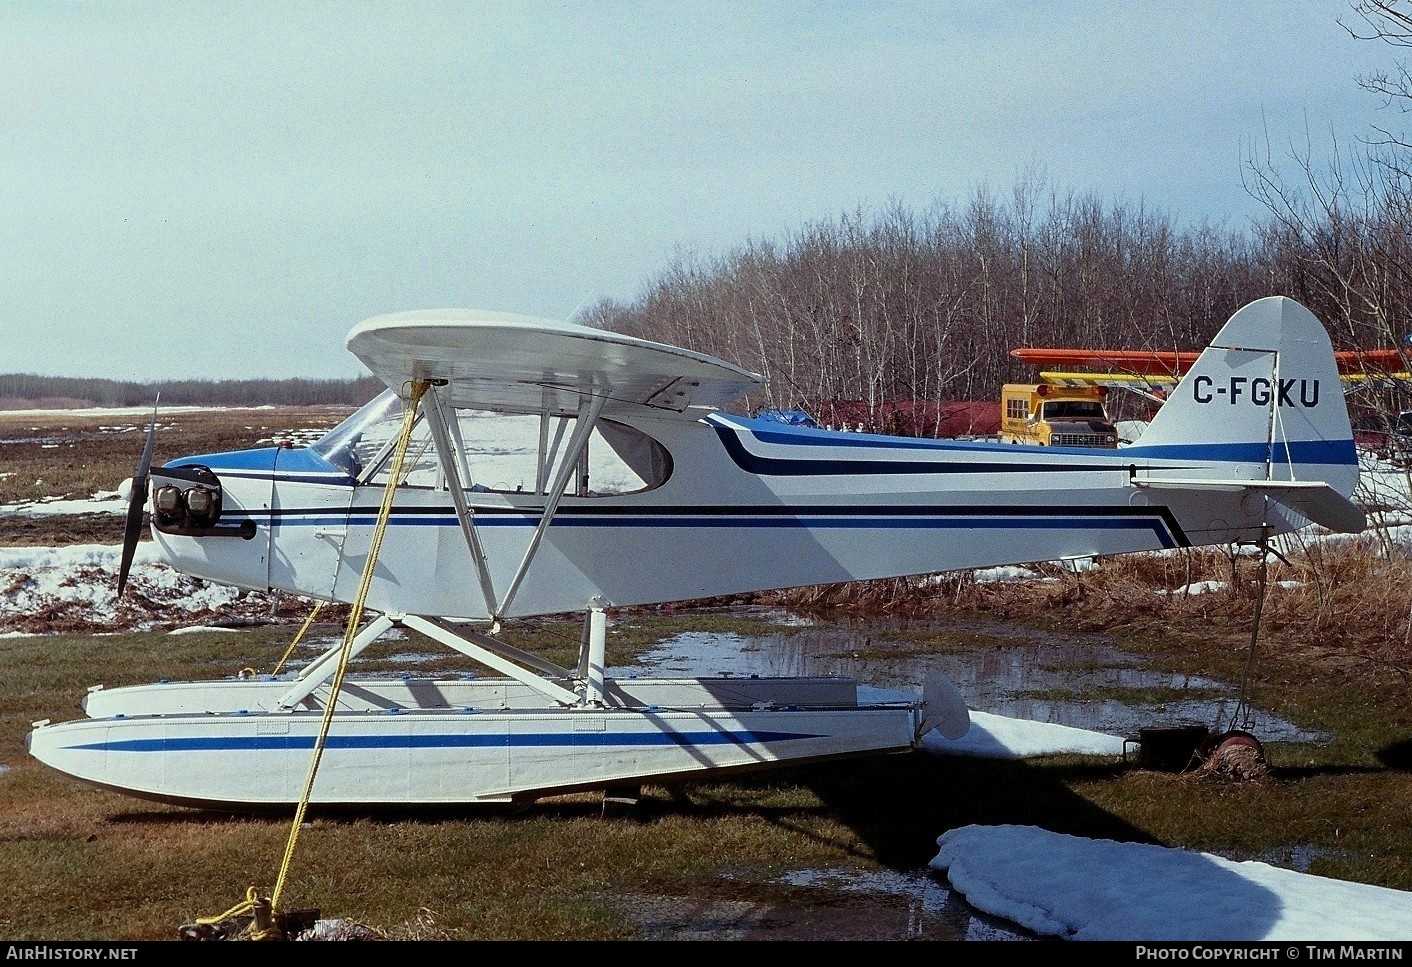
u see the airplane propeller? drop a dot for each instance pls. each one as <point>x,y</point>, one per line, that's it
<point>137,501</point>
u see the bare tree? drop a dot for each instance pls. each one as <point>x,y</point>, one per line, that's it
<point>889,316</point>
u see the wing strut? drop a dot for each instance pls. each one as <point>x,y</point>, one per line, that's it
<point>578,445</point>
<point>446,452</point>
<point>547,449</point>
<point>591,655</point>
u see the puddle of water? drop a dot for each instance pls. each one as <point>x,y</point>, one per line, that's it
<point>1006,679</point>
<point>935,912</point>
<point>413,658</point>
<point>1300,858</point>
<point>1059,679</point>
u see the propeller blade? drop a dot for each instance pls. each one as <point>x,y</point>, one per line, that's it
<point>137,501</point>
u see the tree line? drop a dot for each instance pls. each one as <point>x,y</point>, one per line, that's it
<point>926,306</point>
<point>76,391</point>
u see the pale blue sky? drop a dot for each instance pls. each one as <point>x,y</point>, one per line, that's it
<point>223,189</point>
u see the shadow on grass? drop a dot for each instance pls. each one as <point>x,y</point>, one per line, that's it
<point>1397,756</point>
<point>900,805</point>
<point>896,807</point>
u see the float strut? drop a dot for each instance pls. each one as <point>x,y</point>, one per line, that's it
<point>595,628</point>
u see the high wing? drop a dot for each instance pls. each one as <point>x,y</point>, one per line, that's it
<point>513,363</point>
<point>1153,374</point>
<point>1136,362</point>
<point>1155,386</point>
<point>1156,362</point>
<point>1158,386</point>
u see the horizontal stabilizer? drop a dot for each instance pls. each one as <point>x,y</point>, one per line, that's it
<point>1312,499</point>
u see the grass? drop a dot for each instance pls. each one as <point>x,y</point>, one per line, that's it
<point>1137,697</point>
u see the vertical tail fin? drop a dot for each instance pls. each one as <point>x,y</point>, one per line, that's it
<point>1264,402</point>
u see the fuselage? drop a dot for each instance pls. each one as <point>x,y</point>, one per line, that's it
<point>745,505</point>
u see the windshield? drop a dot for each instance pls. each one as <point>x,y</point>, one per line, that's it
<point>1073,410</point>
<point>355,441</point>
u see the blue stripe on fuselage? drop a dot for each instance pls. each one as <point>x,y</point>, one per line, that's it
<point>1335,453</point>
<point>931,455</point>
<point>445,740</point>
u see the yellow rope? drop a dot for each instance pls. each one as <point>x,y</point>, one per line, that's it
<point>258,911</point>
<point>293,644</point>
<point>252,896</point>
<point>417,389</point>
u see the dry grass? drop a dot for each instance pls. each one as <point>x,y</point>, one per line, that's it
<point>50,453</point>
<point>82,864</point>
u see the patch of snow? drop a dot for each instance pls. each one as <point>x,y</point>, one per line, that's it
<point>1076,888</point>
<point>76,586</point>
<point>1200,587</point>
<point>1001,575</point>
<point>104,502</point>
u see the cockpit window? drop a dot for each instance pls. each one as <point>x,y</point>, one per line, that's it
<point>355,441</point>
<point>508,453</point>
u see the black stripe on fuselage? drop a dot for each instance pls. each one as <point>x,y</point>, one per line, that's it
<point>757,465</point>
<point>726,513</point>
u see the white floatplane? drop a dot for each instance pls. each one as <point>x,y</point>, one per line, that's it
<point>389,512</point>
